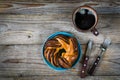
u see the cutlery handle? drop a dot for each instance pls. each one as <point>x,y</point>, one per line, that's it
<point>90,72</point>
<point>84,66</point>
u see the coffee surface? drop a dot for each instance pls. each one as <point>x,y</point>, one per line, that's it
<point>84,19</point>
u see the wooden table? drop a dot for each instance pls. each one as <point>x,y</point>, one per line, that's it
<point>26,24</point>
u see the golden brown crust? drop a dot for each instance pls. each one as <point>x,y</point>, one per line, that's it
<point>75,44</point>
<point>64,38</point>
<point>62,59</point>
<point>49,53</point>
<point>55,61</point>
<point>64,63</point>
<point>52,43</point>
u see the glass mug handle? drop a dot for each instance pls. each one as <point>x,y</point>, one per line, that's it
<point>95,31</point>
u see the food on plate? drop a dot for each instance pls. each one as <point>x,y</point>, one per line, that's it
<point>61,51</point>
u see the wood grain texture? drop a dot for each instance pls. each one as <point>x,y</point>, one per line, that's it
<point>72,78</point>
<point>26,24</point>
<point>63,78</point>
<point>57,8</point>
<point>57,1</point>
<point>26,60</point>
<point>34,29</point>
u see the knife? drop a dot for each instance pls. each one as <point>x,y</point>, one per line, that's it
<point>84,65</point>
<point>103,48</point>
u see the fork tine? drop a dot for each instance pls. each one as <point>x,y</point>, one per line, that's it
<point>106,43</point>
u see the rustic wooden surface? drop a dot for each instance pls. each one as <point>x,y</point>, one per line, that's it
<point>24,26</point>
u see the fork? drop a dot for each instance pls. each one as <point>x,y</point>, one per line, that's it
<point>103,48</point>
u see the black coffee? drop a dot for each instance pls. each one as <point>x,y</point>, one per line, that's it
<point>84,19</point>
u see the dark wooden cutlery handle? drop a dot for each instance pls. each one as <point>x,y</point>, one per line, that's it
<point>90,72</point>
<point>84,66</point>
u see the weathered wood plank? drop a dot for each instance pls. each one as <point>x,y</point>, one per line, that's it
<point>26,60</point>
<point>57,8</point>
<point>63,78</point>
<point>73,78</point>
<point>56,1</point>
<point>34,29</point>
<point>2,78</point>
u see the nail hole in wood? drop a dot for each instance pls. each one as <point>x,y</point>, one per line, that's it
<point>20,75</point>
<point>29,36</point>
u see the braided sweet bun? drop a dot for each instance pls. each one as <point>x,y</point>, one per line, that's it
<point>61,51</point>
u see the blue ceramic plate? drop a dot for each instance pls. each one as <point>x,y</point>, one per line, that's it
<point>59,68</point>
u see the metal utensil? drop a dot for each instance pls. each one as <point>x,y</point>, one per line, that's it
<point>103,48</point>
<point>88,51</point>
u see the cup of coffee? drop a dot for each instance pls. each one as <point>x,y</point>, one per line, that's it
<point>85,19</point>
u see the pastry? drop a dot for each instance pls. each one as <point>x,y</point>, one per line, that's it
<point>61,51</point>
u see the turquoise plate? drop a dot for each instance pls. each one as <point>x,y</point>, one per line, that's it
<point>58,68</point>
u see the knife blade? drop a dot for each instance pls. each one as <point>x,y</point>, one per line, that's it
<point>84,65</point>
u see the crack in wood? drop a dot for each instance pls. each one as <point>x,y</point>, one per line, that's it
<point>114,62</point>
<point>12,61</point>
<point>21,61</point>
